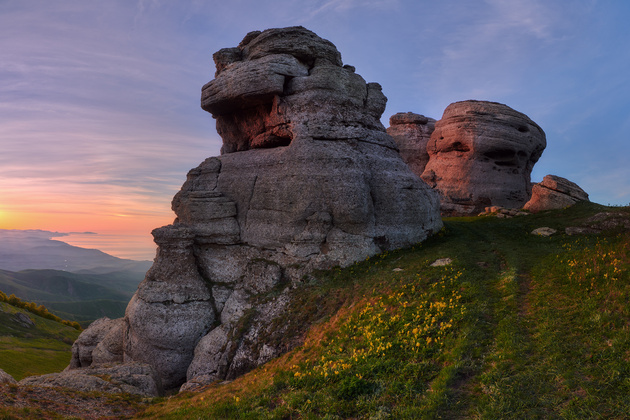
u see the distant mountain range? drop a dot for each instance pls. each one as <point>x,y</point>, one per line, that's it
<point>33,249</point>
<point>74,283</point>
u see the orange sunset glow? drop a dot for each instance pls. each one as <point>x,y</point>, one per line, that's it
<point>120,222</point>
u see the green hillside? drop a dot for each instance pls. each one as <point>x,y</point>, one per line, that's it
<point>518,326</point>
<point>81,297</point>
<point>32,345</point>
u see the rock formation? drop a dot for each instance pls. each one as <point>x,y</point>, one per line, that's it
<point>308,179</point>
<point>5,378</point>
<point>101,342</point>
<point>130,378</point>
<point>481,154</point>
<point>554,192</point>
<point>412,132</point>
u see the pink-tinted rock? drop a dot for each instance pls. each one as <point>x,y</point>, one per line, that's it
<point>412,132</point>
<point>481,154</point>
<point>554,192</point>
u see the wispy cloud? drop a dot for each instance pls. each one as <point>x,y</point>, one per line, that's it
<point>99,113</point>
<point>346,5</point>
<point>487,47</point>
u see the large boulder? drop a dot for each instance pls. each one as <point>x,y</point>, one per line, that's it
<point>412,132</point>
<point>481,154</point>
<point>308,179</point>
<point>554,192</point>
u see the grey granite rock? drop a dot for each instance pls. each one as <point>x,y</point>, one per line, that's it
<point>110,348</point>
<point>308,179</point>
<point>90,338</point>
<point>171,310</point>
<point>5,378</point>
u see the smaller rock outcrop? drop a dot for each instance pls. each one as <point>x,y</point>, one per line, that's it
<point>131,378</point>
<point>554,192</point>
<point>502,212</point>
<point>412,132</point>
<point>600,222</point>
<point>101,342</point>
<point>481,154</point>
<point>24,320</point>
<point>5,378</point>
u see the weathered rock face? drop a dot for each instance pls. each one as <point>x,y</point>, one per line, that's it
<point>412,132</point>
<point>130,378</point>
<point>481,154</point>
<point>101,342</point>
<point>172,309</point>
<point>308,179</point>
<point>554,192</point>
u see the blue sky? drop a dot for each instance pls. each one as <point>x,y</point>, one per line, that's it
<point>99,100</point>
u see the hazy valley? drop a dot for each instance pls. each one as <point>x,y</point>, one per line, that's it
<point>75,283</point>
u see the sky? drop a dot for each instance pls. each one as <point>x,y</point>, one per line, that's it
<point>99,100</point>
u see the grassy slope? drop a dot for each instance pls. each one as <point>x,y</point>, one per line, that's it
<point>76,297</point>
<point>519,326</point>
<point>36,350</point>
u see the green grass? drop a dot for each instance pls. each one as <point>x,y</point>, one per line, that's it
<point>36,350</point>
<point>519,326</point>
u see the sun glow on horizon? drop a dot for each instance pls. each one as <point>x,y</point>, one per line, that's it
<point>124,235</point>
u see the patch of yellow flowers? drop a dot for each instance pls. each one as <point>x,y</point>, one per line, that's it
<point>601,262</point>
<point>412,322</point>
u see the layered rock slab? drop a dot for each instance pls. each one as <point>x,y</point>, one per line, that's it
<point>481,154</point>
<point>129,378</point>
<point>554,192</point>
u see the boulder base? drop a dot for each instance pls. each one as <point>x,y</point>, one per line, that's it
<point>130,378</point>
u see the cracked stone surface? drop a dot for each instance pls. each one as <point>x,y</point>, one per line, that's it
<point>307,179</point>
